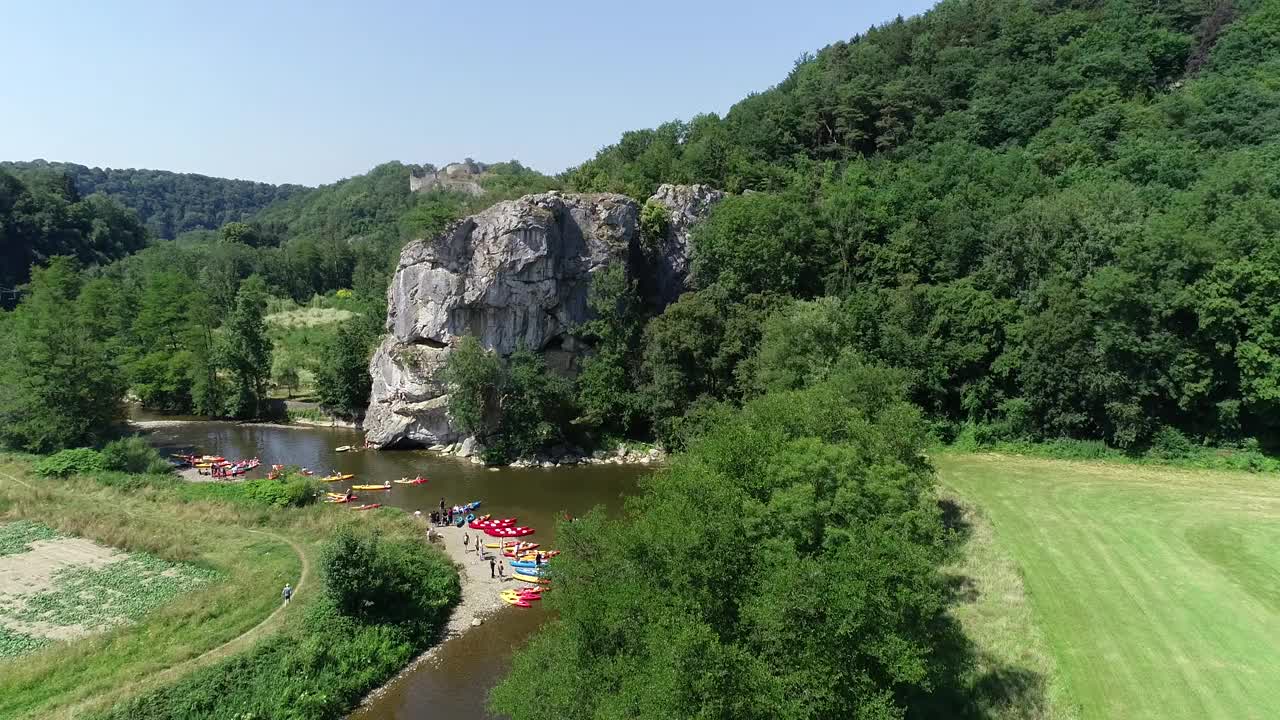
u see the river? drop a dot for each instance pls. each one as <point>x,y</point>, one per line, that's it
<point>456,681</point>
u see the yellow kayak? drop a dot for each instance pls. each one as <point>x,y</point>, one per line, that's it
<point>531,579</point>
<point>369,487</point>
<point>337,478</point>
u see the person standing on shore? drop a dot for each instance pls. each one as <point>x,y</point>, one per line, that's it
<point>491,564</point>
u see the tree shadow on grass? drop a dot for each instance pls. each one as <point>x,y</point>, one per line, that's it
<point>974,685</point>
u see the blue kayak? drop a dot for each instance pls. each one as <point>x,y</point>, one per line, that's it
<point>527,565</point>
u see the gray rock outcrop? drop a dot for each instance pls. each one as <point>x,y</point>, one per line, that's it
<point>515,275</point>
<point>687,204</point>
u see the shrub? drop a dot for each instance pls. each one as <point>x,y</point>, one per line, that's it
<point>1170,444</point>
<point>288,491</point>
<point>133,455</point>
<point>65,463</point>
<point>386,581</point>
<point>655,219</point>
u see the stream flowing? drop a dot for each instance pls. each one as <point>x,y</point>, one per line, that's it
<point>455,682</point>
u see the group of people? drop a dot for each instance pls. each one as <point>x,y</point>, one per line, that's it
<point>496,567</point>
<point>443,516</point>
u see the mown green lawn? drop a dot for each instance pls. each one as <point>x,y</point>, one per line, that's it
<point>1157,589</point>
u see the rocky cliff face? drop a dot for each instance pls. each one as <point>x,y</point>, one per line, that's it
<point>514,275</point>
<point>687,205</point>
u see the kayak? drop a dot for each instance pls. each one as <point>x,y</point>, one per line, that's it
<point>370,487</point>
<point>526,594</point>
<point>516,600</point>
<point>459,522</point>
<point>337,477</point>
<point>508,531</point>
<point>484,521</point>
<point>367,507</point>
<point>405,481</point>
<point>343,448</point>
<point>531,579</point>
<point>528,564</point>
<point>341,499</point>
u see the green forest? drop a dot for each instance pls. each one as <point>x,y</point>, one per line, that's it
<point>1059,218</point>
<point>167,203</point>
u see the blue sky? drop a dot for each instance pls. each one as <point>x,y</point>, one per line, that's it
<point>312,92</point>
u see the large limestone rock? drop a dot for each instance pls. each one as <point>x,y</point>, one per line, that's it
<point>514,275</point>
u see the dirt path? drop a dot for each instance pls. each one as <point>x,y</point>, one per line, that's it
<point>212,655</point>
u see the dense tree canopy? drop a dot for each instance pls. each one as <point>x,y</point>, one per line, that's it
<point>59,384</point>
<point>786,566</point>
<point>1059,218</point>
<point>44,215</point>
<point>168,203</point>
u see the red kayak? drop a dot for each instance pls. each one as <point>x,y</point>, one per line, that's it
<point>485,523</point>
<point>368,507</point>
<point>508,531</point>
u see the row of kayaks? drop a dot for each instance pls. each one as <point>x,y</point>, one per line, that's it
<point>503,528</point>
<point>524,597</point>
<point>341,499</point>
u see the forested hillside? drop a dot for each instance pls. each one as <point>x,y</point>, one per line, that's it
<point>1059,217</point>
<point>44,215</point>
<point>169,203</point>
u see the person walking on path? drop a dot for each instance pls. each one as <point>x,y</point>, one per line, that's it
<point>287,593</point>
<point>466,539</point>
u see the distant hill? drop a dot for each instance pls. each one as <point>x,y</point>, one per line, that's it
<point>169,203</point>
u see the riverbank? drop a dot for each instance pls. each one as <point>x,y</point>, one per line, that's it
<point>480,595</point>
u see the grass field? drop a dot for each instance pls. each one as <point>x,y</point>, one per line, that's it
<point>1158,590</point>
<point>252,549</point>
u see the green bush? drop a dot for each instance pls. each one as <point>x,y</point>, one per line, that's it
<point>134,455</point>
<point>65,463</point>
<point>288,491</point>
<point>1170,444</point>
<point>374,579</point>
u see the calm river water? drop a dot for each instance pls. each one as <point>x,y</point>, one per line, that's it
<point>457,680</point>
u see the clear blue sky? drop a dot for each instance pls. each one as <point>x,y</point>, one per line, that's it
<point>312,92</point>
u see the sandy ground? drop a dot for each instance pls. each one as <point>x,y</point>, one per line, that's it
<point>31,573</point>
<point>479,590</point>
